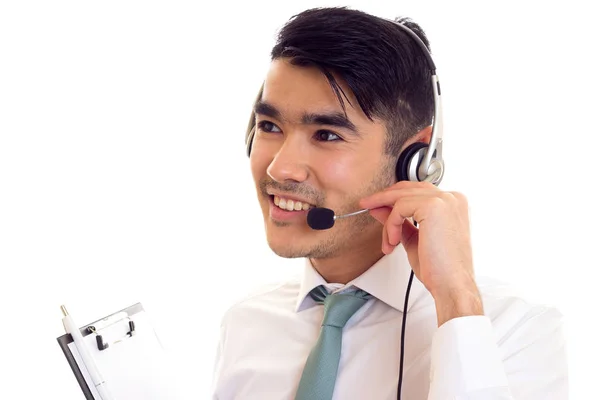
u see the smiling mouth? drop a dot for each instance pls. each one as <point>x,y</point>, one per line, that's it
<point>290,205</point>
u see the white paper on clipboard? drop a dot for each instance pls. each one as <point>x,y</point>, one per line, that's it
<point>134,366</point>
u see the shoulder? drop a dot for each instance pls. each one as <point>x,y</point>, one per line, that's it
<point>268,298</point>
<point>514,315</point>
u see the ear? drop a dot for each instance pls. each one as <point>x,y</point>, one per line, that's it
<point>423,136</point>
<point>411,155</point>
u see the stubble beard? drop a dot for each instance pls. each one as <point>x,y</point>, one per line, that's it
<point>346,234</point>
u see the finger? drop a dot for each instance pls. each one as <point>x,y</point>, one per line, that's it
<point>410,207</point>
<point>385,242</point>
<point>410,234</point>
<point>390,196</point>
<point>393,226</point>
<point>410,242</point>
<point>381,214</point>
<point>412,185</point>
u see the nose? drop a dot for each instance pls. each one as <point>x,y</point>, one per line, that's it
<point>289,163</point>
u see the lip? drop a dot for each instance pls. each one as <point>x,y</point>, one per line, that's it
<point>279,214</point>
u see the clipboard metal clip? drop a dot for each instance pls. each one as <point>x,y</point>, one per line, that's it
<point>102,345</point>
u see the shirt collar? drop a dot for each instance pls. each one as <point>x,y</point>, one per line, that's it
<point>310,280</point>
<point>387,280</point>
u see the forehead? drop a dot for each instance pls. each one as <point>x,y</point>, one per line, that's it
<point>296,90</point>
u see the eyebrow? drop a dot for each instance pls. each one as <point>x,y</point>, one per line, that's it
<point>335,118</point>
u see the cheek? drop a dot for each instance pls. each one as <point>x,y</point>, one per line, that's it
<point>259,162</point>
<point>351,169</point>
<point>345,178</point>
<point>341,174</point>
<point>338,170</point>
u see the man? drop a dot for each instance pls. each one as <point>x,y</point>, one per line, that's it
<point>346,94</point>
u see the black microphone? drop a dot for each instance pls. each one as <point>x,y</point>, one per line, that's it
<point>320,218</point>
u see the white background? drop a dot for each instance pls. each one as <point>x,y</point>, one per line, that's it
<point>123,176</point>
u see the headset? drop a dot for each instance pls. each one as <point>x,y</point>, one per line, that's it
<point>418,162</point>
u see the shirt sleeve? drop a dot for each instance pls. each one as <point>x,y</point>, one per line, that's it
<point>465,360</point>
<point>468,361</point>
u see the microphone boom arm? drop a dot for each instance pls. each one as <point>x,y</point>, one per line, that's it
<point>351,214</point>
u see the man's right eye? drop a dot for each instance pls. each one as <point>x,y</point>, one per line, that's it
<point>268,127</point>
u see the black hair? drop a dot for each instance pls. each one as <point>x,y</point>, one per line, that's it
<point>382,65</point>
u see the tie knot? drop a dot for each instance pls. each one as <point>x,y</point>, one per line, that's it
<point>339,307</point>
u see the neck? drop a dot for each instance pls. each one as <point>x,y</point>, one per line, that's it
<point>349,265</point>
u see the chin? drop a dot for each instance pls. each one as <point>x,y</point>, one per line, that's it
<point>291,243</point>
<point>287,252</point>
<point>285,244</point>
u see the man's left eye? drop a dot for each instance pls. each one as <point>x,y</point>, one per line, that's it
<point>327,136</point>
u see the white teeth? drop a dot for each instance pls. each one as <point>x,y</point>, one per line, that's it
<point>290,205</point>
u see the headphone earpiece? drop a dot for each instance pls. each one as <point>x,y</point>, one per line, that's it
<point>408,163</point>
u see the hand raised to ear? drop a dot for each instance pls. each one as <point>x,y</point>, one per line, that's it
<point>439,250</point>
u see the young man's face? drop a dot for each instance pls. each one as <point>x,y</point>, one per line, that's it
<point>306,153</point>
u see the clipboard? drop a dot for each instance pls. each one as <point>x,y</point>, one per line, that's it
<point>129,355</point>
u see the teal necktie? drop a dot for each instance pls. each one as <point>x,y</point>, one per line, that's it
<point>320,371</point>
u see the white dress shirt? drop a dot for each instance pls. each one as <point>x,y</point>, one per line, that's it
<point>515,351</point>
